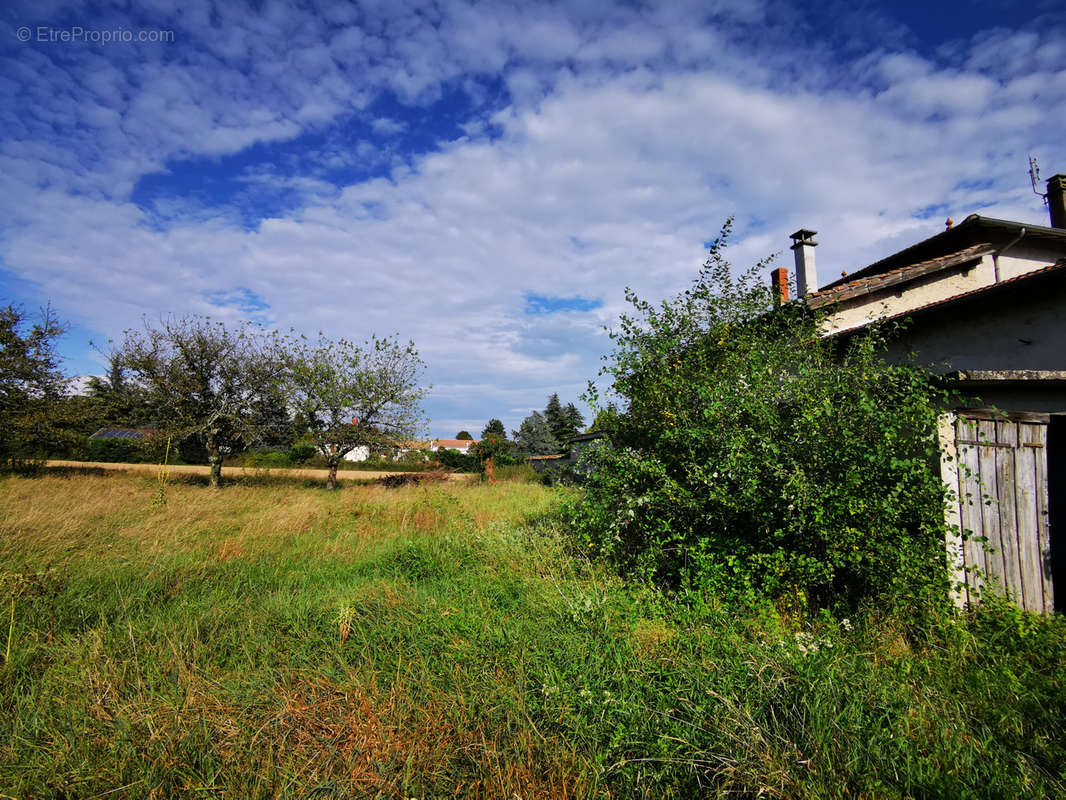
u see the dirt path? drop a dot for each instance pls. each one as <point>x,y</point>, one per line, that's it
<point>185,469</point>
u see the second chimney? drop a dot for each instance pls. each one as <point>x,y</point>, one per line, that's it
<point>779,285</point>
<point>803,245</point>
<point>1056,200</point>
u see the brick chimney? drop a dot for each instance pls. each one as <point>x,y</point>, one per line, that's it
<point>1056,200</point>
<point>779,284</point>
<point>803,245</point>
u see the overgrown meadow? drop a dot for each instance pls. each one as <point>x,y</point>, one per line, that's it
<point>278,640</point>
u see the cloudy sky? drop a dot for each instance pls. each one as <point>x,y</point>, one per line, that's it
<point>487,178</point>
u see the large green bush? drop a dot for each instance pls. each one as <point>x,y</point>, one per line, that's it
<point>750,453</point>
<point>129,451</point>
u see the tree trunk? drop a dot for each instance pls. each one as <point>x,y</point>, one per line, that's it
<point>331,481</point>
<point>214,458</point>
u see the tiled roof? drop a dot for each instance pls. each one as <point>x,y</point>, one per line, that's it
<point>1058,266</point>
<point>972,230</point>
<point>454,442</point>
<point>122,433</point>
<point>895,277</point>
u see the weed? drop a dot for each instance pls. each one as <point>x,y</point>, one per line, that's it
<point>276,640</point>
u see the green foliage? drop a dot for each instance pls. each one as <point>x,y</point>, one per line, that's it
<point>553,415</point>
<point>351,395</point>
<point>32,409</point>
<point>754,455</point>
<point>518,473</point>
<point>268,459</point>
<point>494,428</point>
<point>454,460</point>
<point>117,402</point>
<point>465,436</point>
<point>301,452</point>
<point>499,449</point>
<point>122,451</point>
<point>208,383</point>
<point>534,436</point>
<point>573,420</point>
<point>427,643</point>
<point>563,422</point>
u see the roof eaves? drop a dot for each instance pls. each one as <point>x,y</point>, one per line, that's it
<point>970,226</point>
<point>898,276</point>
<point>1004,284</point>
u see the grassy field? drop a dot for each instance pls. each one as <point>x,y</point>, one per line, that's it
<point>276,640</point>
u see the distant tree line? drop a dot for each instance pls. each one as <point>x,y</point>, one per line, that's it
<point>211,389</point>
<point>544,433</point>
<point>540,433</point>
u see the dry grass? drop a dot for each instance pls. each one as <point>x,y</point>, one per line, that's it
<point>55,519</point>
<point>245,639</point>
<point>281,641</point>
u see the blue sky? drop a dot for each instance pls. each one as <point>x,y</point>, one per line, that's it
<point>487,178</point>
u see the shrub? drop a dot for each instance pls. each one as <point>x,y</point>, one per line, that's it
<point>454,460</point>
<point>752,454</point>
<point>267,459</point>
<point>301,452</point>
<point>519,473</point>
<point>129,451</point>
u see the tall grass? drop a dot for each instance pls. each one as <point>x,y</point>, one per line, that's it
<point>275,640</point>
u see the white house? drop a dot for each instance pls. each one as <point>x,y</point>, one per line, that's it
<point>360,453</point>
<point>459,445</point>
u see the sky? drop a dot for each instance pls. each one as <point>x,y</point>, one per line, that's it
<point>486,179</point>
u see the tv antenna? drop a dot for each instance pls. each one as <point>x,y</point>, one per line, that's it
<point>1034,178</point>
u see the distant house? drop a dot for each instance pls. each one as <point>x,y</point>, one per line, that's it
<point>573,449</point>
<point>360,453</point>
<point>122,433</point>
<point>463,446</point>
<point>985,302</point>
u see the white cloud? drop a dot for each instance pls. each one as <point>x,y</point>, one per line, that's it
<point>622,150</point>
<point>383,126</point>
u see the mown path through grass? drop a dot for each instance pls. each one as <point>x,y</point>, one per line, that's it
<point>282,641</point>
<point>230,472</point>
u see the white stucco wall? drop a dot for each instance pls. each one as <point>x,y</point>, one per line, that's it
<point>361,453</point>
<point>896,300</point>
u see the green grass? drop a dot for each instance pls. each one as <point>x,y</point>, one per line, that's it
<point>277,640</point>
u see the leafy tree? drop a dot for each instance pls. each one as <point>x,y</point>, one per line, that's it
<point>464,436</point>
<point>495,429</point>
<point>117,401</point>
<point>496,449</point>
<point>564,422</point>
<point>32,387</point>
<point>534,436</point>
<point>753,454</point>
<point>575,421</point>
<point>605,418</point>
<point>556,418</point>
<point>206,382</point>
<point>350,395</point>
<point>113,382</point>
<point>271,416</point>
<point>453,459</point>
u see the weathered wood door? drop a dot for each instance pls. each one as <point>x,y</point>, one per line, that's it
<point>996,464</point>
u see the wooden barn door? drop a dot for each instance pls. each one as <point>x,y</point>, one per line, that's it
<point>997,464</point>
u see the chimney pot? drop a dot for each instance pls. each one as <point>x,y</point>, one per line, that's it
<point>803,245</point>
<point>779,284</point>
<point>1056,200</point>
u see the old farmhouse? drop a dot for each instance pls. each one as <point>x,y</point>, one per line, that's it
<point>985,302</point>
